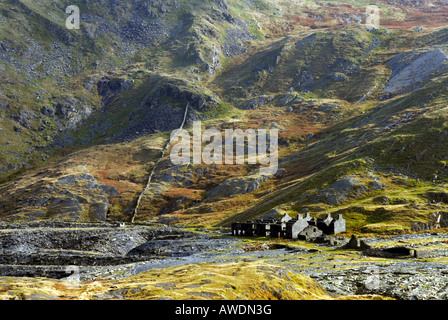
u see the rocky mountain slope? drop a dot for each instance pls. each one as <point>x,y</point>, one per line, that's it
<point>85,114</point>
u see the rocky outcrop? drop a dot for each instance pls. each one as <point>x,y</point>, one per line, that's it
<point>239,185</point>
<point>71,197</point>
<point>163,110</point>
<point>348,187</point>
<point>109,86</point>
<point>412,70</point>
<point>341,190</point>
<point>233,42</point>
<point>255,103</point>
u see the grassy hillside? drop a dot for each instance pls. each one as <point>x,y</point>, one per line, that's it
<point>231,281</point>
<point>85,114</point>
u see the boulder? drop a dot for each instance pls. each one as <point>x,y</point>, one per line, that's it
<point>382,200</point>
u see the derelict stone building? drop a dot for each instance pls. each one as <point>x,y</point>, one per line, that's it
<point>305,228</point>
<point>287,227</point>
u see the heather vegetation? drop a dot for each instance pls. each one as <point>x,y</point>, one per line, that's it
<point>85,116</point>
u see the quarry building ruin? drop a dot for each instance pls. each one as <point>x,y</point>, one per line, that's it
<point>302,228</point>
